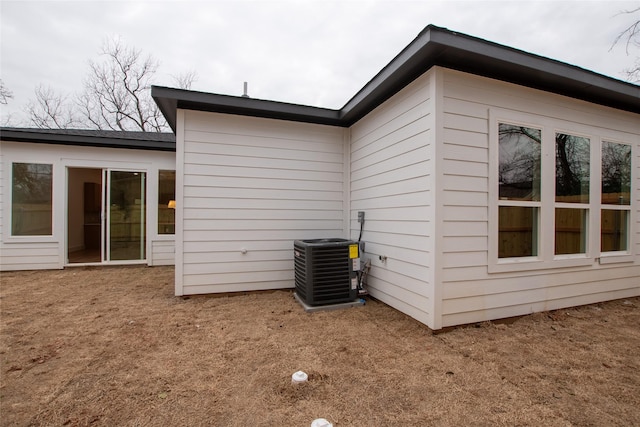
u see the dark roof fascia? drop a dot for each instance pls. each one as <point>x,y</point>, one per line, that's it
<point>170,99</point>
<point>414,60</point>
<point>88,138</point>
<point>434,46</point>
<point>488,59</point>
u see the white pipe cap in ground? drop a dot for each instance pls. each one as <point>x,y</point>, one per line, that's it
<point>299,377</point>
<point>321,422</point>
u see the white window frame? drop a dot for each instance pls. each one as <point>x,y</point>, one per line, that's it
<point>9,237</point>
<point>593,193</point>
<point>546,257</point>
<point>163,236</point>
<point>618,256</point>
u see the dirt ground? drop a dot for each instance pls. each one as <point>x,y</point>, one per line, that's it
<point>113,346</point>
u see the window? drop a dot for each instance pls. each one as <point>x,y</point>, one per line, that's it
<point>559,198</point>
<point>31,206</point>
<point>166,202</point>
<point>572,194</point>
<point>519,190</point>
<point>616,197</point>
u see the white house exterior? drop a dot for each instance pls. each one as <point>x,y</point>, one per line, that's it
<point>456,232</point>
<point>246,188</point>
<point>495,183</point>
<point>80,174</point>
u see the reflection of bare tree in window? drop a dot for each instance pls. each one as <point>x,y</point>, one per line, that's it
<point>519,163</point>
<point>31,183</point>
<point>616,190</point>
<point>572,168</point>
<point>31,199</point>
<point>616,173</point>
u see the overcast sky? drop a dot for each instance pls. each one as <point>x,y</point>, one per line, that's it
<point>317,53</point>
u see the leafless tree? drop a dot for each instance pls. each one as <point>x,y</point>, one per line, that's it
<point>185,80</point>
<point>5,93</point>
<point>51,110</point>
<point>116,94</point>
<point>631,37</point>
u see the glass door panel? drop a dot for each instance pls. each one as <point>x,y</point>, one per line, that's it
<point>126,213</point>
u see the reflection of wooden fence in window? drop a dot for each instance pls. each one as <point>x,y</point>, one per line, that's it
<point>616,199</point>
<point>613,223</point>
<point>613,234</point>
<point>31,219</point>
<point>516,227</point>
<point>570,231</point>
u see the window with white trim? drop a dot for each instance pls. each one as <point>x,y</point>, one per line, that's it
<point>616,197</point>
<point>166,202</point>
<point>561,194</point>
<point>572,173</point>
<point>31,199</point>
<point>519,190</point>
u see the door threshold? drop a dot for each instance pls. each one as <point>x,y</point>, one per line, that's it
<point>105,264</point>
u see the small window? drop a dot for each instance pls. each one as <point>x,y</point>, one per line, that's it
<point>616,174</point>
<point>519,190</point>
<point>572,169</point>
<point>166,202</point>
<point>571,231</point>
<point>616,197</point>
<point>518,231</point>
<point>614,230</point>
<point>519,167</point>
<point>572,194</point>
<point>31,206</point>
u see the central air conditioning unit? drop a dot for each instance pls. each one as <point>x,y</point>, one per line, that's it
<point>324,271</point>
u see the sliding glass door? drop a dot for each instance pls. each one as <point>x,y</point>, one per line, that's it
<point>125,225</point>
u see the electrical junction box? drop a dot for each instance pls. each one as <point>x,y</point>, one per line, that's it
<point>325,270</point>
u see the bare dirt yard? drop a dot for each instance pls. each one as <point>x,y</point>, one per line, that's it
<point>114,347</point>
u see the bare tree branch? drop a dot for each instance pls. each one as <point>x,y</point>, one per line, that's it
<point>185,80</point>
<point>631,33</point>
<point>632,36</point>
<point>117,90</point>
<point>5,93</point>
<point>50,110</point>
<point>116,94</point>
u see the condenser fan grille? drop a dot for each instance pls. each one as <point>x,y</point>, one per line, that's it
<point>323,271</point>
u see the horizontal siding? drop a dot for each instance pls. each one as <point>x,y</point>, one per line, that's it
<point>636,215</point>
<point>469,292</point>
<point>391,181</point>
<point>524,307</point>
<point>163,252</point>
<point>30,256</point>
<point>251,187</point>
<point>2,196</point>
<point>18,253</point>
<point>401,299</point>
<point>512,283</point>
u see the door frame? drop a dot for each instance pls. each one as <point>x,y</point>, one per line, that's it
<point>104,187</point>
<point>106,228</point>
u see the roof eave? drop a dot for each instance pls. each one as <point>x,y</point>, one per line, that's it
<point>169,100</point>
<point>434,46</point>
<point>488,59</point>
<point>33,136</point>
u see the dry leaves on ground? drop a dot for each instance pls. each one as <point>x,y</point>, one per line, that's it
<point>113,346</point>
